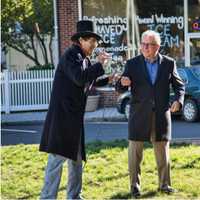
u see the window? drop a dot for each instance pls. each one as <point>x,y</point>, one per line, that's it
<point>121,22</point>
<point>193,16</point>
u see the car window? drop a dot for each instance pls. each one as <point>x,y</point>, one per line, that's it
<point>183,75</point>
<point>196,72</point>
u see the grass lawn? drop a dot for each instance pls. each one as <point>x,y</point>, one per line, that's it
<point>105,173</point>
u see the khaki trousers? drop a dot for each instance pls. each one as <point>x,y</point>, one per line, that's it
<point>135,156</point>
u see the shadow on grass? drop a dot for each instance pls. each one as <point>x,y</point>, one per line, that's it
<point>128,195</point>
<point>97,146</point>
<point>149,194</point>
<point>28,196</point>
<point>192,164</point>
<point>110,178</point>
<point>125,195</point>
<point>62,188</point>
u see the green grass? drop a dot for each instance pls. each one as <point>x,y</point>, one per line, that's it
<point>105,173</point>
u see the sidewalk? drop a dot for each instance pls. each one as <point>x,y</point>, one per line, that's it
<point>103,114</point>
<point>100,115</point>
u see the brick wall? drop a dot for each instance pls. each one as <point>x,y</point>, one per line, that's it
<point>67,18</point>
<point>108,97</point>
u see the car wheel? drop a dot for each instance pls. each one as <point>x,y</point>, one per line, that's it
<point>127,109</point>
<point>190,111</point>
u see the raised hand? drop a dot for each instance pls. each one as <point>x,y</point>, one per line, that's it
<point>175,106</point>
<point>103,58</point>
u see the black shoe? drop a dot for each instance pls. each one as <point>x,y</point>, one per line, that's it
<point>167,189</point>
<point>136,192</point>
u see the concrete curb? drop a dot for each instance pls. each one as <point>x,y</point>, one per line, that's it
<point>194,141</point>
<point>100,115</point>
<point>42,121</point>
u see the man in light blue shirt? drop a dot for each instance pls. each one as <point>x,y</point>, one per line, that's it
<point>152,68</point>
<point>150,76</point>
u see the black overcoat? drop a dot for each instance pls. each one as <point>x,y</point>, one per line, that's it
<point>63,128</point>
<point>147,97</point>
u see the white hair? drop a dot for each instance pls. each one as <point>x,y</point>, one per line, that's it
<point>154,34</point>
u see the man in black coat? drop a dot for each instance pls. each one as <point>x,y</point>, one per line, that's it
<point>150,76</point>
<point>63,133</point>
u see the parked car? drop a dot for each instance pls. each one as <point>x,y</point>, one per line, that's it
<point>191,107</point>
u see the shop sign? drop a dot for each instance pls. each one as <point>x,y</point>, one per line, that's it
<point>168,27</point>
<point>113,31</point>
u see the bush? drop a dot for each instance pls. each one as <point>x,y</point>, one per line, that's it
<point>41,67</point>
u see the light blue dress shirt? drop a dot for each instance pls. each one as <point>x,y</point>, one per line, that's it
<point>152,69</point>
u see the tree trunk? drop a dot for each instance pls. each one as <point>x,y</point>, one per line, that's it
<point>33,48</point>
<point>50,49</point>
<point>43,48</point>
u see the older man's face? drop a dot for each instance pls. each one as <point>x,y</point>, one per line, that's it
<point>149,47</point>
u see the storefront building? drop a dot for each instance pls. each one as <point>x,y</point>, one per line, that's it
<point>121,22</point>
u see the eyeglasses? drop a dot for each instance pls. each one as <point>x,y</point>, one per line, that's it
<point>147,44</point>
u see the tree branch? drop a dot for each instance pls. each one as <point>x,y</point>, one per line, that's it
<point>22,50</point>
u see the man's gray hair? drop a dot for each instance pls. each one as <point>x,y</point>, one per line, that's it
<point>154,34</point>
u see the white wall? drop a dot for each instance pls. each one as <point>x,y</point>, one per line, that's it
<point>17,61</point>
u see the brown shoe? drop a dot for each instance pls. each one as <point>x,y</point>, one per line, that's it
<point>167,189</point>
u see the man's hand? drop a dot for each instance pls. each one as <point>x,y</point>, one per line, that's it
<point>175,106</point>
<point>125,81</point>
<point>103,58</point>
<point>113,78</point>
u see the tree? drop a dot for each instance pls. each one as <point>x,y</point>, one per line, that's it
<point>26,23</point>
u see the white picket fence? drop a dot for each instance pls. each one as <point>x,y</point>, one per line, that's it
<point>25,90</point>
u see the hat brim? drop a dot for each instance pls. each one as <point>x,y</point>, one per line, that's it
<point>76,36</point>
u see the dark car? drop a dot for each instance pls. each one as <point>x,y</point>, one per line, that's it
<point>191,107</point>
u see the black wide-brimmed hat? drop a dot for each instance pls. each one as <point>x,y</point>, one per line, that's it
<point>85,28</point>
